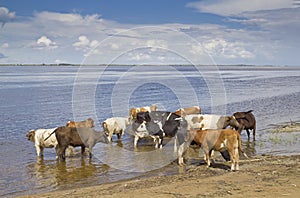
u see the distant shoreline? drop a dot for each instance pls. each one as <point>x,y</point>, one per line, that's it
<point>183,65</point>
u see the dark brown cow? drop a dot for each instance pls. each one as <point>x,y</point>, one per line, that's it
<point>247,122</point>
<point>84,137</point>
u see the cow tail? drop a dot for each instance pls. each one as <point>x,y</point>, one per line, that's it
<point>249,111</point>
<point>49,136</point>
<point>240,145</point>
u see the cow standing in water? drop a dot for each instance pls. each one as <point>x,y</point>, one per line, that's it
<point>247,122</point>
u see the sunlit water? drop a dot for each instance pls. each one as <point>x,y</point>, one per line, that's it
<point>47,97</point>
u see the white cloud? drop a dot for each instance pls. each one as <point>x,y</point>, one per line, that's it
<point>67,18</point>
<point>236,7</point>
<point>45,43</point>
<point>6,15</point>
<point>84,43</point>
<point>231,50</point>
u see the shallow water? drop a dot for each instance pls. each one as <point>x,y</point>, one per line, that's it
<point>47,97</point>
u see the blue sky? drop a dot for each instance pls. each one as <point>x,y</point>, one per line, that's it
<point>263,32</point>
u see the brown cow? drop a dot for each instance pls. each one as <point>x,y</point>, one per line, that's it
<point>89,123</point>
<point>133,111</point>
<point>84,137</point>
<point>188,111</point>
<point>218,140</point>
<point>247,122</point>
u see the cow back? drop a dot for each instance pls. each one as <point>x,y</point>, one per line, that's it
<point>68,136</point>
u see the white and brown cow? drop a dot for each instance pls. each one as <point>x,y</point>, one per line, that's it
<point>210,121</point>
<point>38,136</point>
<point>218,140</point>
<point>88,123</point>
<point>134,111</point>
<point>115,125</point>
<point>188,111</point>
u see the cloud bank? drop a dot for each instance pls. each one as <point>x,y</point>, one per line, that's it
<point>265,35</point>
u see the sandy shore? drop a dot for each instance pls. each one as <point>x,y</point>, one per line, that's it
<point>260,176</point>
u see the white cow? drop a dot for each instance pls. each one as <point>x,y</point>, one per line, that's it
<point>38,137</point>
<point>210,121</point>
<point>115,125</point>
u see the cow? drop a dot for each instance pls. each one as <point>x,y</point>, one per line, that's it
<point>88,123</point>
<point>133,111</point>
<point>218,140</point>
<point>188,110</point>
<point>38,138</point>
<point>247,122</point>
<point>158,124</point>
<point>210,121</point>
<point>115,125</point>
<point>84,137</point>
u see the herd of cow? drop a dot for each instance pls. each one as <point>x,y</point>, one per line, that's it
<point>186,125</point>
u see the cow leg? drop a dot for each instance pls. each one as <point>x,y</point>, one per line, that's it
<point>90,151</point>
<point>38,150</point>
<point>234,154</point>
<point>82,150</point>
<point>110,137</point>
<point>254,129</point>
<point>175,143</point>
<point>119,135</point>
<point>160,140</point>
<point>248,134</point>
<point>207,159</point>
<point>181,150</point>
<point>61,153</point>
<point>136,139</point>
<point>56,151</point>
<point>157,141</point>
<point>211,153</point>
<point>237,161</point>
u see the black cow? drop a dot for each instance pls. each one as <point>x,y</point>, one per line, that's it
<point>247,122</point>
<point>158,124</point>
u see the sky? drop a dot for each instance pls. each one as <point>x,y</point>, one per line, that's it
<point>256,32</point>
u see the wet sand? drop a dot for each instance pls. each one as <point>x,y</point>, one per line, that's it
<point>259,176</point>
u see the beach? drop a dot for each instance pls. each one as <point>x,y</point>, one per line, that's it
<point>259,176</point>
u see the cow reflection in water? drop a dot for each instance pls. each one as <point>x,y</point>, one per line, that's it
<point>249,147</point>
<point>53,175</point>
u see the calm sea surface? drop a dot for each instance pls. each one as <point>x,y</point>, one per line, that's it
<point>33,97</point>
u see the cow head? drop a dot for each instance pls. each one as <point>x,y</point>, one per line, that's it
<point>180,112</point>
<point>30,135</point>
<point>143,117</point>
<point>153,107</point>
<point>230,121</point>
<point>132,113</point>
<point>70,124</point>
<point>91,122</point>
